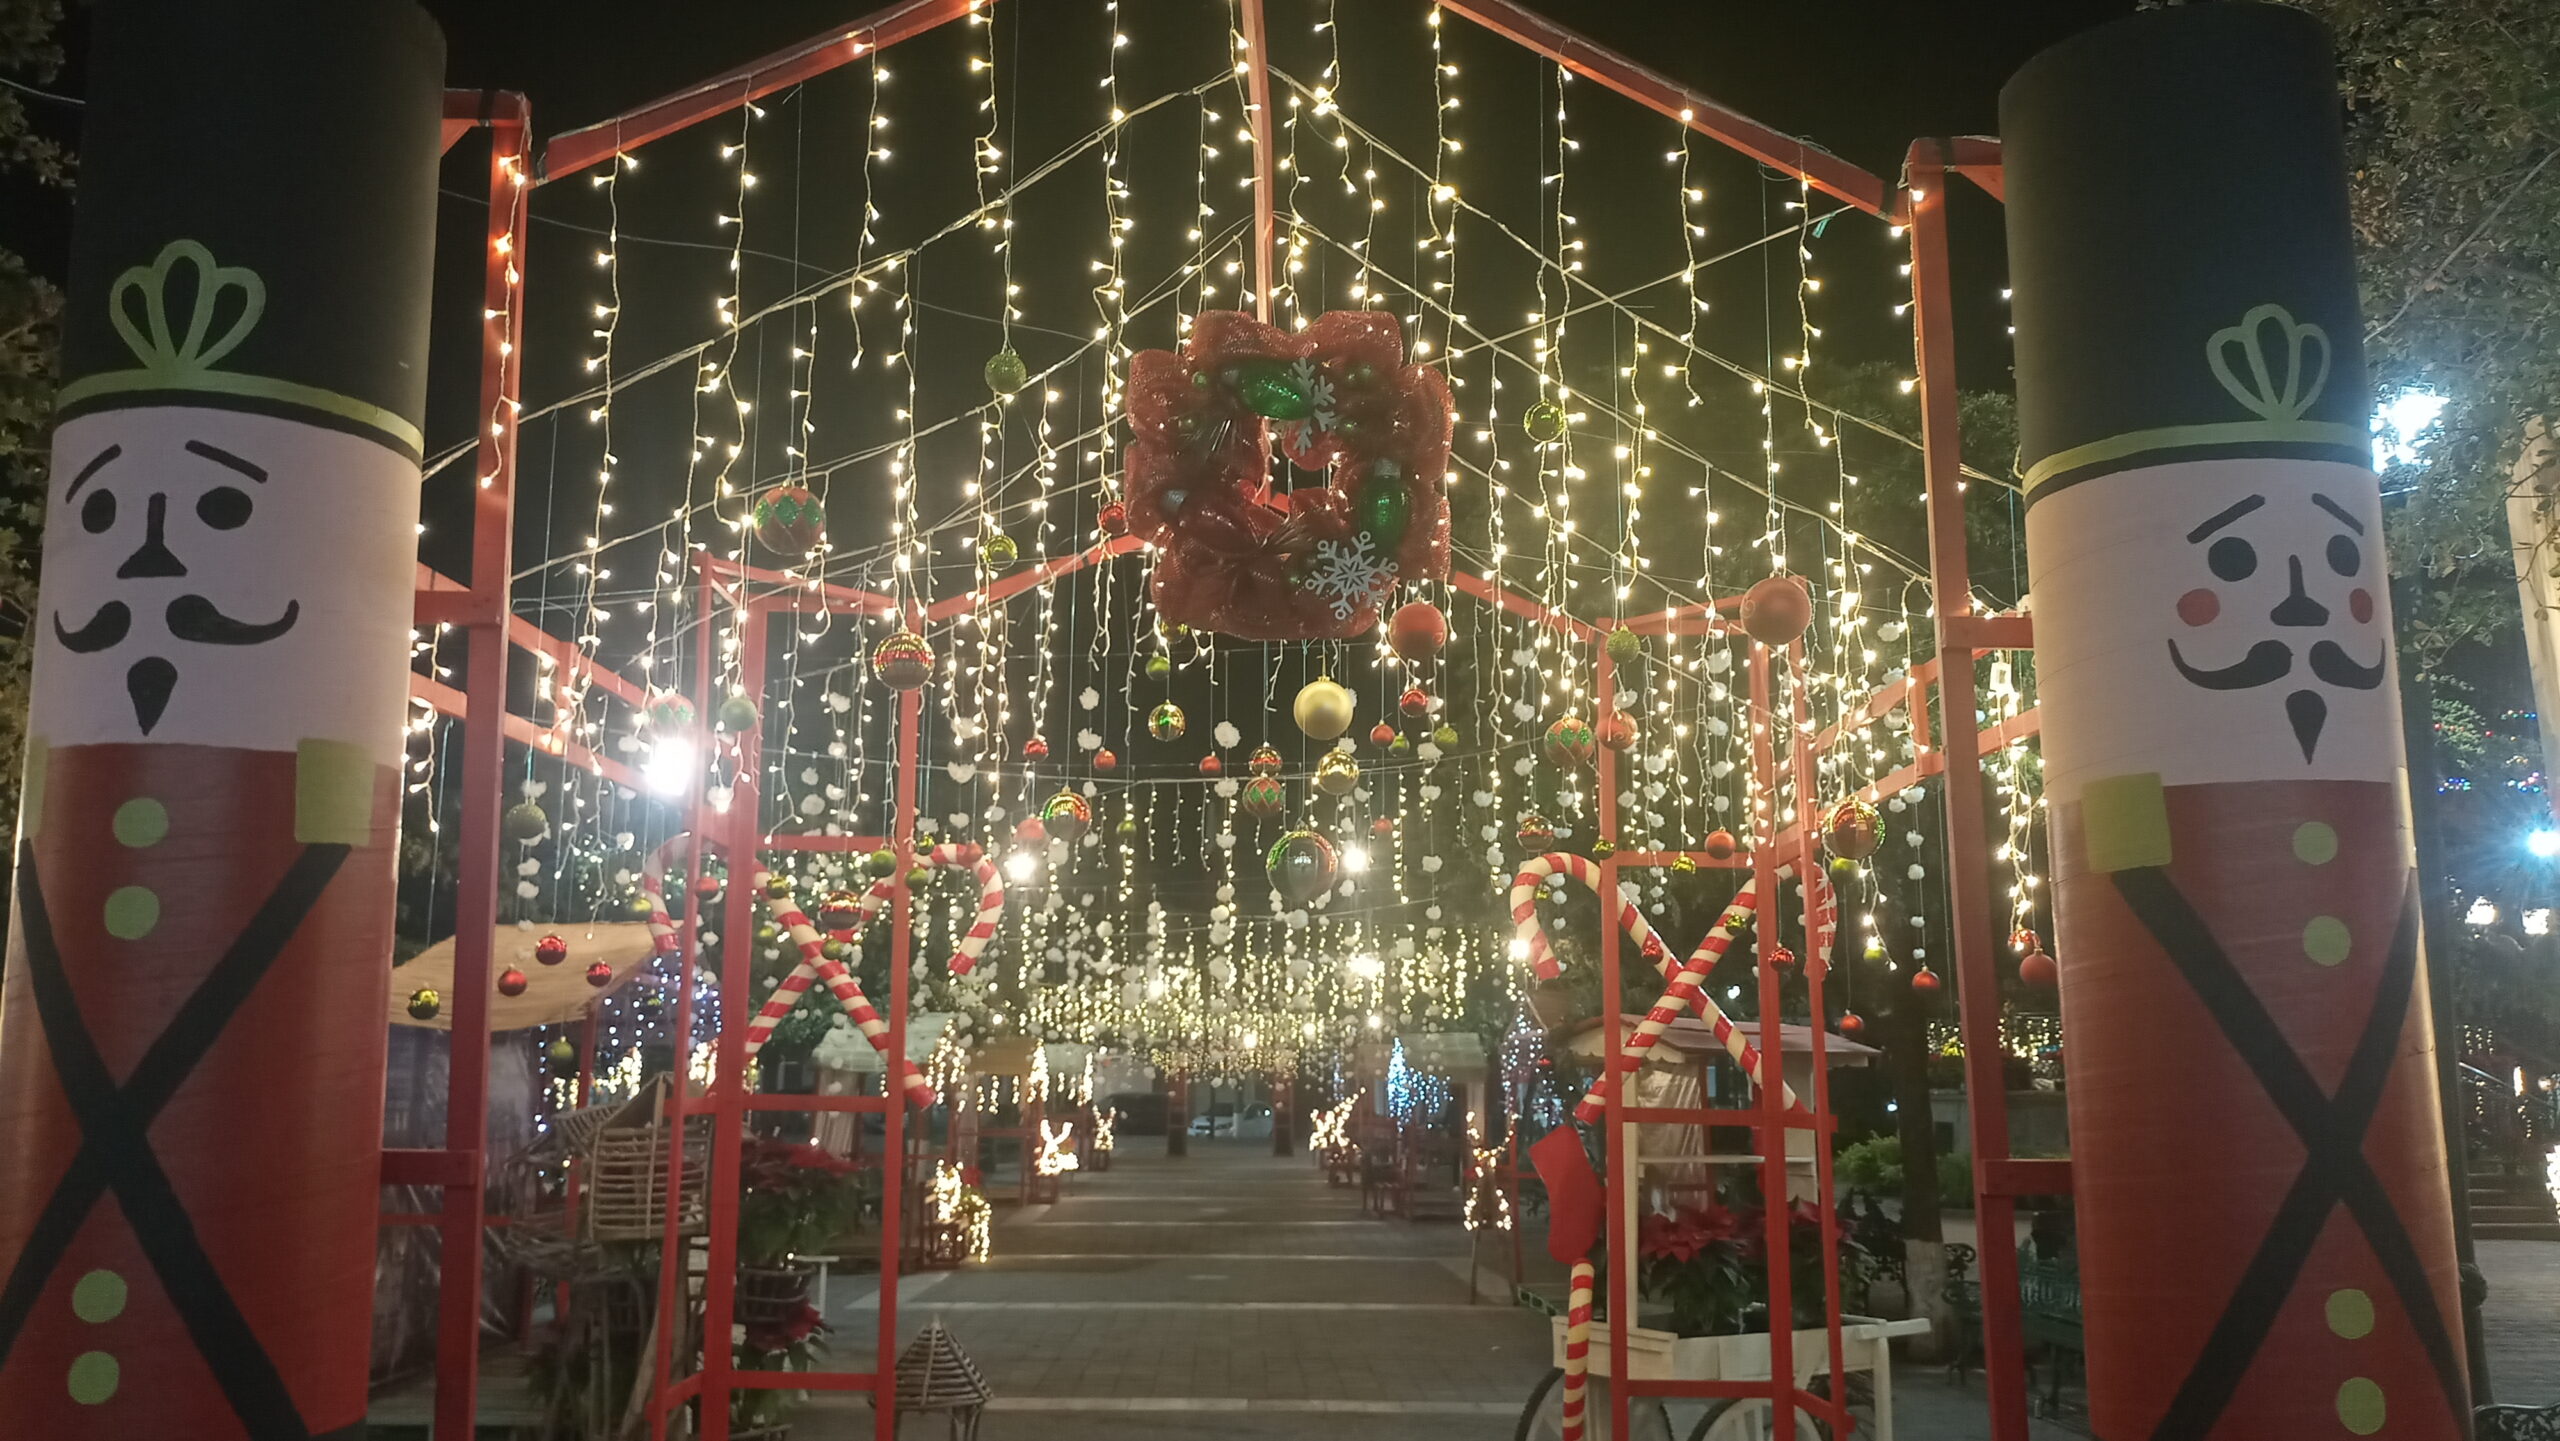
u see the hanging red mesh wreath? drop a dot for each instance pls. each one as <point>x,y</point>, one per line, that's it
<point>1319,561</point>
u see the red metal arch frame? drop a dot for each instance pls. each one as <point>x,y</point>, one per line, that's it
<point>482,609</point>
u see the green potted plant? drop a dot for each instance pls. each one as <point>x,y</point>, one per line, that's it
<point>790,1342</point>
<point>795,1200</point>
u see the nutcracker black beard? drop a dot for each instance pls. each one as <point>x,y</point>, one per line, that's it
<point>195,619</point>
<point>2233,559</point>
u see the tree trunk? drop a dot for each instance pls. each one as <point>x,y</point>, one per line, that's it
<point>2533,528</point>
<point>1924,1256</point>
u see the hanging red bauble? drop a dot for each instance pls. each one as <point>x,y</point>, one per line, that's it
<point>1115,520</point>
<point>2038,970</point>
<point>1925,981</point>
<point>1652,949</point>
<point>1851,1024</point>
<point>903,661</point>
<point>551,950</point>
<point>1067,816</point>
<point>1266,759</point>
<point>2023,940</point>
<point>1265,796</point>
<point>1106,760</point>
<point>1416,703</point>
<point>1030,830</point>
<point>789,521</point>
<point>1211,765</point>
<point>1720,845</point>
<point>1779,956</point>
<point>1418,630</point>
<point>707,887</point>
<point>1382,734</point>
<point>1570,742</point>
<point>1035,749</point>
<point>1382,827</point>
<point>839,910</point>
<point>600,975</point>
<point>1777,610</point>
<point>1852,830</point>
<point>1619,731</point>
<point>511,982</point>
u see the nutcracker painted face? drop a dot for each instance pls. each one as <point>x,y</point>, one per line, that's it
<point>206,582</point>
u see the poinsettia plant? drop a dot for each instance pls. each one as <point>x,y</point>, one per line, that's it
<point>790,1344</point>
<point>793,1198</point>
<point>1709,1263</point>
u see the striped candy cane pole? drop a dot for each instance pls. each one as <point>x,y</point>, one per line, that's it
<point>1524,904</point>
<point>1577,1349</point>
<point>847,991</point>
<point>653,884</point>
<point>965,956</point>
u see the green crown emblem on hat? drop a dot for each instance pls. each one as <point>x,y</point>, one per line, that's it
<point>2267,393</point>
<point>228,301</point>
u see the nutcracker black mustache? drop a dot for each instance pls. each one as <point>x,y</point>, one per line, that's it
<point>149,682</point>
<point>2270,661</point>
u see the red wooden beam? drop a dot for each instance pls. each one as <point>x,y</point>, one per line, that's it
<point>1977,158</point>
<point>1041,574</point>
<point>454,703</point>
<point>1469,583</point>
<point>1826,172</point>
<point>569,153</point>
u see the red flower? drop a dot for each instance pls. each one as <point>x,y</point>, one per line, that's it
<point>788,1332</point>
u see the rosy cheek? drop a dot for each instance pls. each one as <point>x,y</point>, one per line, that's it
<point>2200,606</point>
<point>2360,605</point>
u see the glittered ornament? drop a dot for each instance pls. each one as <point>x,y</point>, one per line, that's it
<point>1545,422</point>
<point>1415,703</point>
<point>2038,970</point>
<point>839,910</point>
<point>1720,845</point>
<point>1852,829</point>
<point>2023,940</point>
<point>1323,709</point>
<point>1651,949</point>
<point>1301,866</point>
<point>1777,610</point>
<point>1925,981</point>
<point>777,888</point>
<point>1418,630</point>
<point>1684,865</point>
<point>561,1050</point>
<point>1624,645</point>
<point>1382,827</point>
<point>1337,773</point>
<point>1000,551</point>
<point>1603,848</point>
<point>1265,797</point>
<point>789,521</point>
<point>1167,722</point>
<point>1106,759</point>
<point>1618,732</point>
<point>903,661</point>
<point>1115,520</point>
<point>1570,742</point>
<point>1066,816</point>
<point>1851,1024</point>
<point>425,1004</point>
<point>1535,832</point>
<point>600,975</point>
<point>551,950</point>
<point>1266,760</point>
<point>670,713</point>
<point>882,861</point>
<point>1444,736</point>
<point>1006,372</point>
<point>1381,734</point>
<point>1271,388</point>
<point>1778,955</point>
<point>1035,749</point>
<point>526,822</point>
<point>1401,745</point>
<point>643,906</point>
<point>1212,766</point>
<point>738,714</point>
<point>511,982</point>
<point>1159,666</point>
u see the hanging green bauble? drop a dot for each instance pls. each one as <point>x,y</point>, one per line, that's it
<point>1383,506</point>
<point>1445,736</point>
<point>883,861</point>
<point>670,712</point>
<point>1265,797</point>
<point>789,521</point>
<point>919,877</point>
<point>1603,848</point>
<point>737,714</point>
<point>1000,551</point>
<point>1545,422</point>
<point>1270,389</point>
<point>1127,829</point>
<point>1301,866</point>
<point>1066,816</point>
<point>560,1049</point>
<point>1159,666</point>
<point>1625,645</point>
<point>1006,372</point>
<point>1167,722</point>
<point>1402,745</point>
<point>425,1004</point>
<point>1337,773</point>
<point>903,660</point>
<point>526,822</point>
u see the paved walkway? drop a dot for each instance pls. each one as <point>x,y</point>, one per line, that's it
<point>2522,1320</point>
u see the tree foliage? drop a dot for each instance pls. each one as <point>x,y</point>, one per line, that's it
<point>30,312</point>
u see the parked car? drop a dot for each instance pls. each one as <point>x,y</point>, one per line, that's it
<point>1255,1124</point>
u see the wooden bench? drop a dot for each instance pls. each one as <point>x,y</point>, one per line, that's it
<point>2049,1318</point>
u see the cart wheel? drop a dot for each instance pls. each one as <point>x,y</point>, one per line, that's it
<point>1748,1419</point>
<point>1543,1418</point>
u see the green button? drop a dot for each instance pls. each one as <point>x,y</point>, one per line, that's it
<point>2351,1313</point>
<point>93,1378</point>
<point>2325,940</point>
<point>2315,843</point>
<point>99,1297</point>
<point>132,911</point>
<point>2360,1405</point>
<point>141,822</point>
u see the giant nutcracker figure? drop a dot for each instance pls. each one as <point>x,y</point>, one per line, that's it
<point>2259,1169</point>
<point>191,1036</point>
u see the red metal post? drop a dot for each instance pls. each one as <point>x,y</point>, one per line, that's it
<point>1968,852</point>
<point>894,1151</point>
<point>1807,855</point>
<point>1257,45</point>
<point>484,745</point>
<point>1771,1122</point>
<point>1619,1290</point>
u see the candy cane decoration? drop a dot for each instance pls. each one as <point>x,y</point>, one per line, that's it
<point>1577,1347</point>
<point>1524,906</point>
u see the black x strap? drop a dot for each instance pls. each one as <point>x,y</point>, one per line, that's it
<point>2334,1170</point>
<point>115,1147</point>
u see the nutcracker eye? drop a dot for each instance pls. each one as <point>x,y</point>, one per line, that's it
<point>2232,558</point>
<point>225,507</point>
<point>2344,555</point>
<point>98,512</point>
